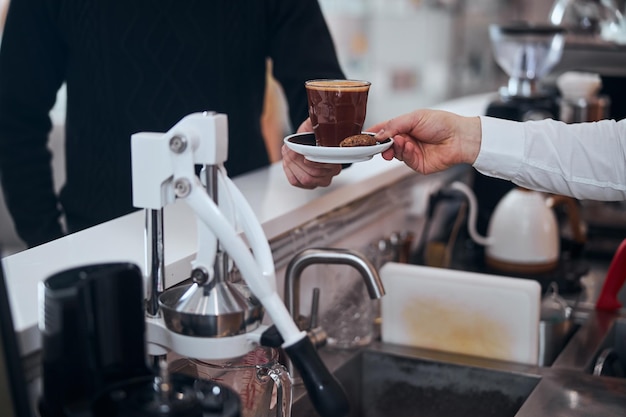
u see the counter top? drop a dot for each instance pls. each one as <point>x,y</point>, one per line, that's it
<point>279,206</point>
<point>566,387</point>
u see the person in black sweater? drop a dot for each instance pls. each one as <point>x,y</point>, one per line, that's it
<point>133,66</point>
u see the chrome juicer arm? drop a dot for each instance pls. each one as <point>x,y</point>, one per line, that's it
<point>163,171</point>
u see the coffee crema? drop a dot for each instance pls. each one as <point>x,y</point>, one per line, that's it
<point>350,85</point>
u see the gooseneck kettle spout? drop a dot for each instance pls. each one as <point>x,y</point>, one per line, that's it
<point>472,215</point>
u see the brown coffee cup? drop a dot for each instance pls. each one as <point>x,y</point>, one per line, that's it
<point>337,109</point>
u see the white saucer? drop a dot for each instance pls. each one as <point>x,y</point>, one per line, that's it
<point>304,144</point>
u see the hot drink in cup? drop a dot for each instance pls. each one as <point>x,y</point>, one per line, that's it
<point>337,109</point>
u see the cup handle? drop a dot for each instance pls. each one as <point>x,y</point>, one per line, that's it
<point>284,397</point>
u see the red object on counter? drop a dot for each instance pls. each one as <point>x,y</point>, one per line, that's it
<point>614,280</point>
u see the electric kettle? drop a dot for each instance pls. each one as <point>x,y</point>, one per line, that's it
<point>522,235</point>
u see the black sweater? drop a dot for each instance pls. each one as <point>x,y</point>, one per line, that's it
<point>139,65</point>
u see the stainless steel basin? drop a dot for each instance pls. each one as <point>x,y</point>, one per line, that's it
<point>385,384</point>
<point>383,379</point>
<point>391,380</point>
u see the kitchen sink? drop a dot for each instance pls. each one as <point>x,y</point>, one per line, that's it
<point>384,384</point>
<point>384,379</point>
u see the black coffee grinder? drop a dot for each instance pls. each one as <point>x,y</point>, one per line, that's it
<point>526,52</point>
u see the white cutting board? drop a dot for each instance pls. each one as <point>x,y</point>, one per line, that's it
<point>462,312</point>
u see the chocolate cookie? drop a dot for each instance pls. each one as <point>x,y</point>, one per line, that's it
<point>358,140</point>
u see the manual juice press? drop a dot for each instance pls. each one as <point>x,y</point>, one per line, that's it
<point>216,316</point>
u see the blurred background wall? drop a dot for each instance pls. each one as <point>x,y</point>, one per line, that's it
<point>418,53</point>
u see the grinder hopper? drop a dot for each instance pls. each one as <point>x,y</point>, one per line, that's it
<point>526,53</point>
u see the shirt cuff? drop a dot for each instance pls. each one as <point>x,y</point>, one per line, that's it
<point>501,149</point>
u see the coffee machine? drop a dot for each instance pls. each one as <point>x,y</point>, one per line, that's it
<point>526,52</point>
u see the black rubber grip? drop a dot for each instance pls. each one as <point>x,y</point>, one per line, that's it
<point>326,393</point>
<point>271,337</point>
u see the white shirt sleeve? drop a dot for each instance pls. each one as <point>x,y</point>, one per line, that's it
<point>582,160</point>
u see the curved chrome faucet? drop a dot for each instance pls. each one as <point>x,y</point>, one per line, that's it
<point>328,256</point>
<point>314,256</point>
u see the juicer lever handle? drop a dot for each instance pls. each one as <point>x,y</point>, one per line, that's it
<point>326,393</point>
